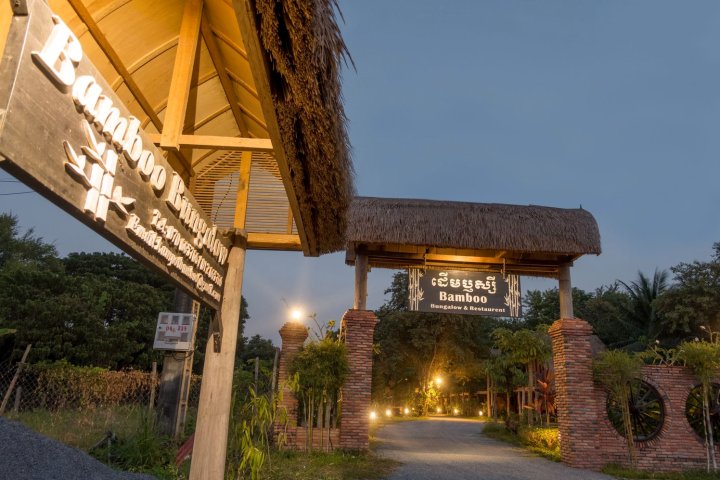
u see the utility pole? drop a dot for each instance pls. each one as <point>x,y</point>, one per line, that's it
<point>175,377</point>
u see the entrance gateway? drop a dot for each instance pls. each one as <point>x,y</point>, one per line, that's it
<point>167,128</point>
<point>503,241</point>
<point>507,240</point>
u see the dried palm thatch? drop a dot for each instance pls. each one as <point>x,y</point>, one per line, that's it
<point>478,226</point>
<point>305,51</point>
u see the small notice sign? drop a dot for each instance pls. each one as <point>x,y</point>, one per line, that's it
<point>466,293</point>
<point>174,332</point>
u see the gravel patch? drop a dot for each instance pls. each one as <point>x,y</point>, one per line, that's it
<point>27,455</point>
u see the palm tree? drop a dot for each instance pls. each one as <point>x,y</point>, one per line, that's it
<point>642,312</point>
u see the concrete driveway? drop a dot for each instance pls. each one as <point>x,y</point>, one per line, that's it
<point>449,448</point>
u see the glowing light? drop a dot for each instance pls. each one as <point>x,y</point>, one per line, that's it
<point>388,413</point>
<point>373,415</point>
<point>296,315</point>
<point>456,411</point>
<point>407,410</point>
<point>480,413</point>
<point>438,381</point>
<point>439,410</point>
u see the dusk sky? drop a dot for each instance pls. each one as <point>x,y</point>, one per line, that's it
<point>612,105</point>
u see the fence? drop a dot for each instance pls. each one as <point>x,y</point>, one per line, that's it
<point>78,405</point>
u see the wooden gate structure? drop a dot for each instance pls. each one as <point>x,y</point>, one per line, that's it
<point>525,240</point>
<point>229,109</point>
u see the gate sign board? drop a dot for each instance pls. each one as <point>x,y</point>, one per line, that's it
<point>174,332</point>
<point>466,293</point>
<point>64,131</point>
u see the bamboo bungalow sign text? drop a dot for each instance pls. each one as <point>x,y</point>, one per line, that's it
<point>65,132</point>
<point>468,293</point>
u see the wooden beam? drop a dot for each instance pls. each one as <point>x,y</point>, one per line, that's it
<point>274,241</point>
<point>565,291</point>
<point>261,75</point>
<point>361,270</point>
<point>218,143</point>
<point>182,75</point>
<point>219,63</point>
<point>84,15</point>
<point>243,190</point>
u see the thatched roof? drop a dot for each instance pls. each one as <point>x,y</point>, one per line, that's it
<point>475,226</point>
<point>305,50</point>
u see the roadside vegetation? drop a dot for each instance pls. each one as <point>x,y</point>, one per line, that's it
<point>338,465</point>
<point>540,440</point>
<point>622,472</point>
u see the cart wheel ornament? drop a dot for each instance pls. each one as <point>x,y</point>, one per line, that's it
<point>694,411</point>
<point>647,412</point>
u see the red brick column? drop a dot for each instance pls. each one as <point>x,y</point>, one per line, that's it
<point>293,337</point>
<point>576,401</point>
<point>359,327</point>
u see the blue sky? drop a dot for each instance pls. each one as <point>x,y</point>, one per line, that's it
<point>612,105</point>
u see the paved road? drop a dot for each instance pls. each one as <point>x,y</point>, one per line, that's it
<point>447,448</point>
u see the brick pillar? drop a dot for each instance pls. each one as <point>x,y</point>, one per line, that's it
<point>575,399</point>
<point>359,327</point>
<point>293,337</point>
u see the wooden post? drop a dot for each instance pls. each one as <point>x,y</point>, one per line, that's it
<point>171,376</point>
<point>211,433</point>
<point>361,269</point>
<point>273,384</point>
<point>18,395</point>
<point>15,379</point>
<point>186,383</point>
<point>257,371</point>
<point>153,383</point>
<point>565,289</point>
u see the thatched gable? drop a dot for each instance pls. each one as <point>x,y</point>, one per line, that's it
<point>475,226</point>
<point>305,50</point>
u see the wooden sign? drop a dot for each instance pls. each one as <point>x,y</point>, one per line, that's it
<point>466,293</point>
<point>64,131</point>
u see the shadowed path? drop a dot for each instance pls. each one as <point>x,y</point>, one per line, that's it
<point>449,448</point>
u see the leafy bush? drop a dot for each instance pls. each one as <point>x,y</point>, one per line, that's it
<point>60,385</point>
<point>615,369</point>
<point>703,359</point>
<point>144,451</point>
<point>541,437</point>
<point>320,368</point>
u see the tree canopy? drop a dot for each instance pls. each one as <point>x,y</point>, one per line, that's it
<point>649,310</point>
<point>95,309</point>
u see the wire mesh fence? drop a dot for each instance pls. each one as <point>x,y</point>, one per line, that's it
<point>79,405</point>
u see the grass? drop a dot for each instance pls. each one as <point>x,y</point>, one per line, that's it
<point>82,428</point>
<point>541,441</point>
<point>338,465</point>
<point>622,472</point>
<point>139,448</point>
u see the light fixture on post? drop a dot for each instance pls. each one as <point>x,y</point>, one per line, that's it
<point>297,315</point>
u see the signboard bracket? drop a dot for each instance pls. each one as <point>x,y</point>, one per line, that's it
<point>19,7</point>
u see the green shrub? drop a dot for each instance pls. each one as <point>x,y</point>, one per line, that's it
<point>146,450</point>
<point>540,437</point>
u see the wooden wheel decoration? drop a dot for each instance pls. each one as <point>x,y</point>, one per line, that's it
<point>647,412</point>
<point>694,412</point>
